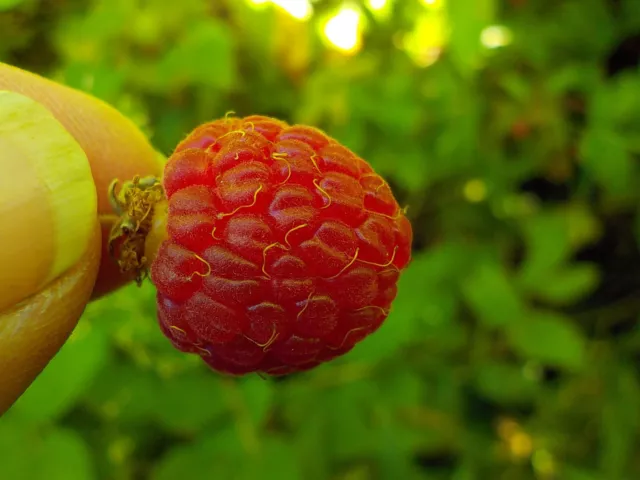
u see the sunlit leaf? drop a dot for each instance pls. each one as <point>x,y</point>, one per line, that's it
<point>9,4</point>
<point>203,56</point>
<point>468,19</point>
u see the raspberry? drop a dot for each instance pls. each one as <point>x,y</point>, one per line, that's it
<point>282,247</point>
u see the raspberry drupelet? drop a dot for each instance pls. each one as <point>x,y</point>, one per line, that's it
<point>273,248</point>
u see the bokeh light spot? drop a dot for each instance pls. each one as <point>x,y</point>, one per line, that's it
<point>475,191</point>
<point>377,5</point>
<point>496,36</point>
<point>343,30</point>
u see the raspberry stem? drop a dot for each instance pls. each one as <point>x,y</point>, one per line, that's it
<point>134,239</point>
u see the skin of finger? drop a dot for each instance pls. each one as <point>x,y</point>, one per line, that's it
<point>114,146</point>
<point>47,198</point>
<point>35,329</point>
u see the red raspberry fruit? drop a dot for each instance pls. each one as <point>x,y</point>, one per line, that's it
<point>282,247</point>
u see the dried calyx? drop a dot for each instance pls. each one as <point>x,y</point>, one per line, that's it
<point>135,204</point>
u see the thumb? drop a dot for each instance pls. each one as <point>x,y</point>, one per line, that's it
<point>55,142</point>
<point>49,240</point>
<point>113,145</point>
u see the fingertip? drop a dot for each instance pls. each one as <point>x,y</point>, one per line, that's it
<point>114,146</point>
<point>32,331</point>
<point>47,198</point>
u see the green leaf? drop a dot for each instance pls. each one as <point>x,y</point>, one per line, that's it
<point>516,85</point>
<point>258,397</point>
<point>395,447</point>
<point>468,18</point>
<point>188,402</point>
<point>214,456</point>
<point>309,441</point>
<point>551,237</point>
<point>606,157</point>
<point>489,292</point>
<point>631,15</point>
<point>348,418</point>
<point>569,32</point>
<point>504,383</point>
<point>276,459</point>
<point>567,285</point>
<point>226,454</point>
<point>575,78</point>
<point>204,56</point>
<point>16,462</point>
<point>124,392</point>
<point>413,171</point>
<point>185,402</point>
<point>442,265</point>
<point>614,108</point>
<point>402,389</point>
<point>440,330</point>
<point>400,392</point>
<point>6,5</point>
<point>64,456</point>
<point>620,420</point>
<point>575,473</point>
<point>43,454</point>
<point>549,338</point>
<point>66,377</point>
<point>456,147</point>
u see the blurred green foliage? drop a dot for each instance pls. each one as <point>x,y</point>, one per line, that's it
<point>512,350</point>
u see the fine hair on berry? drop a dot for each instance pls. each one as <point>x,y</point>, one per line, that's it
<point>281,248</point>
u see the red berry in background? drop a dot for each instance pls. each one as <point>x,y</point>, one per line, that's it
<point>282,248</point>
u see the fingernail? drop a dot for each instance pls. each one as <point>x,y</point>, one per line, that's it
<point>48,199</point>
